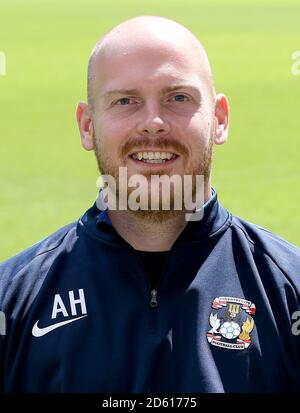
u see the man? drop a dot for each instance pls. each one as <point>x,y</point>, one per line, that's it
<point>146,300</point>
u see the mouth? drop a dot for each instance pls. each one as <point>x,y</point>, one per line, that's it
<point>154,157</point>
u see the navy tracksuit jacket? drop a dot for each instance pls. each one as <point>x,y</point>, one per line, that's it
<point>76,314</point>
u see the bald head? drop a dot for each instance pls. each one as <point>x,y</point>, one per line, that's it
<point>141,35</point>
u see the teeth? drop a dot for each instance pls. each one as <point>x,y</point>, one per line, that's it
<point>154,160</point>
<point>153,157</point>
<point>156,155</point>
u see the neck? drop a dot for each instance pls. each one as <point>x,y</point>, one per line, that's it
<point>150,234</point>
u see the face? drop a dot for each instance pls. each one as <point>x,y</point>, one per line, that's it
<point>153,113</point>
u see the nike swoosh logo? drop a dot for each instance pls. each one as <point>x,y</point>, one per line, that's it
<point>39,332</point>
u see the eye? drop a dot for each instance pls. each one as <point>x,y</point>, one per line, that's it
<point>126,101</point>
<point>179,98</point>
<point>123,101</point>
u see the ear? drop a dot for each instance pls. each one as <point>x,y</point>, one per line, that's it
<point>86,129</point>
<point>222,119</point>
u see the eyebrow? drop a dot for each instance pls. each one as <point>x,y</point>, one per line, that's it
<point>110,93</point>
<point>170,88</point>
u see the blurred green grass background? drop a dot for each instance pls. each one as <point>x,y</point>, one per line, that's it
<point>47,180</point>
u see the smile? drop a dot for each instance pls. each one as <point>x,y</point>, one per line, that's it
<point>153,157</point>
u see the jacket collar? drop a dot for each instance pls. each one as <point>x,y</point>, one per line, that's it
<point>215,219</point>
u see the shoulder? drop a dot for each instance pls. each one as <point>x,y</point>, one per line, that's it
<point>28,266</point>
<point>283,254</point>
<point>42,247</point>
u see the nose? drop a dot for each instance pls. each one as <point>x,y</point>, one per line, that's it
<point>153,122</point>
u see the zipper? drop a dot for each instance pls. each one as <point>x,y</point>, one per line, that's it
<point>153,311</point>
<point>153,299</point>
<point>154,287</point>
<point>153,303</point>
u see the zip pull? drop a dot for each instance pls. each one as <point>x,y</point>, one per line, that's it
<point>153,301</point>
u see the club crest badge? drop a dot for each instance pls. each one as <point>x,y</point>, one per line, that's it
<point>231,323</point>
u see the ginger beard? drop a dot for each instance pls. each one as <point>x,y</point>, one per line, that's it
<point>202,167</point>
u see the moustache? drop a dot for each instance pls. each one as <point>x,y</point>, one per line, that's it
<point>163,143</point>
